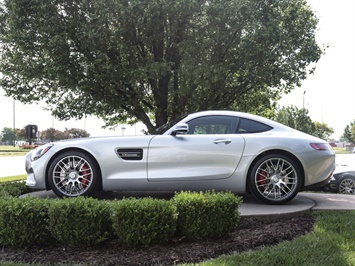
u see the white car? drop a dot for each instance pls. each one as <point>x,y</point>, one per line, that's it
<point>211,150</point>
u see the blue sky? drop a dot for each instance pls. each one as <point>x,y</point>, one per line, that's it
<point>329,97</point>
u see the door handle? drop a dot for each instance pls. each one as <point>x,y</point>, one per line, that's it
<point>225,141</point>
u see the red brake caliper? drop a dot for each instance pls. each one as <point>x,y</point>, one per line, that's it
<point>261,178</point>
<point>86,174</point>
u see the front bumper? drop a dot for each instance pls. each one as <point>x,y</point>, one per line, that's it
<point>36,171</point>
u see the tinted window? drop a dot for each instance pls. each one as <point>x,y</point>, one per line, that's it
<point>251,126</point>
<point>213,125</point>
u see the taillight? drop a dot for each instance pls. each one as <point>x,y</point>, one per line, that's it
<point>321,146</point>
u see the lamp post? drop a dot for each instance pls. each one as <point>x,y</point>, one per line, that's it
<point>14,121</point>
<point>304,99</point>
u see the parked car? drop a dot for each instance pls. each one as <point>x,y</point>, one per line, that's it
<point>211,150</point>
<point>342,181</point>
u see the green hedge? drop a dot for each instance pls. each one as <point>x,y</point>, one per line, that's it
<point>78,222</point>
<point>204,215</point>
<point>24,222</point>
<point>13,189</point>
<point>144,221</point>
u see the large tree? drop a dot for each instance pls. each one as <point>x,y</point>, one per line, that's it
<point>127,60</point>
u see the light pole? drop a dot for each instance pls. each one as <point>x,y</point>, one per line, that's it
<point>304,99</point>
<point>14,121</point>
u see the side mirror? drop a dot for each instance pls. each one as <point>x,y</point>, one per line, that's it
<point>180,129</point>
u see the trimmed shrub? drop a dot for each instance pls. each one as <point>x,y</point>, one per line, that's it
<point>23,222</point>
<point>140,222</point>
<point>206,215</point>
<point>13,189</point>
<point>80,221</point>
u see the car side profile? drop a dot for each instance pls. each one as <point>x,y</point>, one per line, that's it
<point>211,150</point>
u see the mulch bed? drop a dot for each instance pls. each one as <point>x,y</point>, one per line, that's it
<point>251,233</point>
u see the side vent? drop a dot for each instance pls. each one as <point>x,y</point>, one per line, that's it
<point>130,154</point>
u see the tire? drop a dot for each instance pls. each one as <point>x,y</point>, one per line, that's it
<point>346,185</point>
<point>73,174</point>
<point>275,179</point>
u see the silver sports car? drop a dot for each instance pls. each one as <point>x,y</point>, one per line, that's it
<point>211,150</point>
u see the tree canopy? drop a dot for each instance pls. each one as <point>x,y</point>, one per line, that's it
<point>154,60</point>
<point>299,119</point>
<point>349,132</point>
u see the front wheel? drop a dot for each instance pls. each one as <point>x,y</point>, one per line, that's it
<point>347,185</point>
<point>275,179</point>
<point>73,174</point>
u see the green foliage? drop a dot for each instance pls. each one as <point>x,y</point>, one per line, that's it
<point>349,132</point>
<point>299,119</point>
<point>52,134</point>
<point>154,60</point>
<point>23,222</point>
<point>207,215</point>
<point>80,221</point>
<point>13,189</point>
<point>8,135</point>
<point>141,222</point>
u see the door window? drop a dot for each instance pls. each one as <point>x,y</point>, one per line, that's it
<point>213,125</point>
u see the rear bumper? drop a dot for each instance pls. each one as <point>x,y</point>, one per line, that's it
<point>318,185</point>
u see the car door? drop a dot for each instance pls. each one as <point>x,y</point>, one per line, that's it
<point>209,151</point>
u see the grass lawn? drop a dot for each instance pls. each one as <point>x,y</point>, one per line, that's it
<point>341,151</point>
<point>13,178</point>
<point>331,243</point>
<point>8,150</point>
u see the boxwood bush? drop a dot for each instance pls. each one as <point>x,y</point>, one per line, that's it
<point>80,221</point>
<point>13,189</point>
<point>204,215</point>
<point>28,221</point>
<point>143,221</point>
<point>24,222</point>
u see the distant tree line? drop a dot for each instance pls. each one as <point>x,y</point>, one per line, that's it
<point>48,135</point>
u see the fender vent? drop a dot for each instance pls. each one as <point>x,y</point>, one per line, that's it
<point>130,154</point>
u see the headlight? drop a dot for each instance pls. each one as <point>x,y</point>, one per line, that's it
<point>40,151</point>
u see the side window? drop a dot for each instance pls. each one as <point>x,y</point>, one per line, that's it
<point>213,125</point>
<point>251,126</point>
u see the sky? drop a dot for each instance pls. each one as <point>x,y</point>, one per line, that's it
<point>328,94</point>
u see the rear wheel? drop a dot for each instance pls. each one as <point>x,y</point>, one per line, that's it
<point>275,179</point>
<point>73,174</point>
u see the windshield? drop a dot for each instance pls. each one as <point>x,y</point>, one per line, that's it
<point>161,130</point>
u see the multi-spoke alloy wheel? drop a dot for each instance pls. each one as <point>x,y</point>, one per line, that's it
<point>347,186</point>
<point>275,179</point>
<point>73,174</point>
